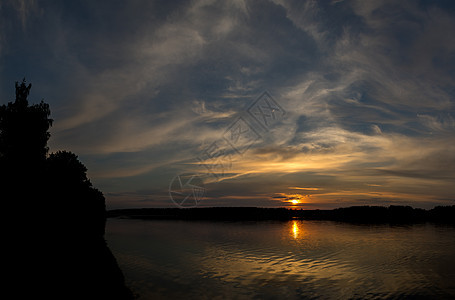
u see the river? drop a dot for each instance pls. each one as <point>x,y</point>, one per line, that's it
<point>169,259</point>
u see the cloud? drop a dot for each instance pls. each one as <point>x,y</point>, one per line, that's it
<point>305,188</point>
<point>437,123</point>
<point>24,10</point>
<point>12,11</point>
<point>140,89</point>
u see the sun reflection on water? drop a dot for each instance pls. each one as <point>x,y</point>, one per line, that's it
<point>295,229</point>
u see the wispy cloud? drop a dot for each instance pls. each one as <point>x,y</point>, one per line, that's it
<point>140,89</point>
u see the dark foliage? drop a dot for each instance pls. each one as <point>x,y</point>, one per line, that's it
<point>54,218</point>
<point>208,213</point>
<point>355,214</point>
<point>73,193</point>
<point>24,129</point>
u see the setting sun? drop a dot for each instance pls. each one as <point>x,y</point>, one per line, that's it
<point>293,199</point>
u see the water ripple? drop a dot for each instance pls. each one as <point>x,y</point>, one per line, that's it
<point>203,260</point>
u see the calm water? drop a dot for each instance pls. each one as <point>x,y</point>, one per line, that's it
<point>283,260</point>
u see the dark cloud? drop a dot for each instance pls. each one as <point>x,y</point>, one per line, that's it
<point>139,89</point>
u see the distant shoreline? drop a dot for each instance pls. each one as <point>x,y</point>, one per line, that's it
<point>353,214</point>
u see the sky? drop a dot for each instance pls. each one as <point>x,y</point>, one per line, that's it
<point>304,104</point>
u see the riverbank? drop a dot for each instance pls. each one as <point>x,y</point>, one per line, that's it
<point>362,214</point>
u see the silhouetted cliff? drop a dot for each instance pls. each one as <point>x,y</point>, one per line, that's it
<point>53,217</point>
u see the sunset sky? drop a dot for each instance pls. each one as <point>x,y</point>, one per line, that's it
<point>335,103</point>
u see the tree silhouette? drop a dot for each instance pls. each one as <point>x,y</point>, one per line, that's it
<point>55,218</point>
<point>71,171</point>
<point>24,129</point>
<point>73,192</point>
<point>23,148</point>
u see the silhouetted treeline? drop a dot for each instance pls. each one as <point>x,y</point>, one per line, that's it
<point>53,217</point>
<point>206,213</point>
<point>380,214</point>
<point>359,214</point>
